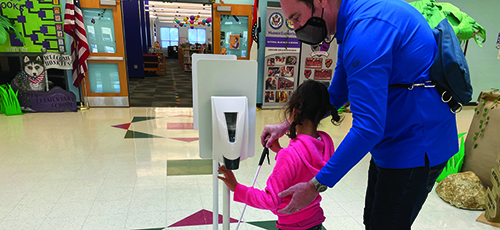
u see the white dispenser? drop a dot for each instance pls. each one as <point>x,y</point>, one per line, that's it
<point>226,108</point>
<point>230,130</point>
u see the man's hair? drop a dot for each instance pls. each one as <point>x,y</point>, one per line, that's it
<point>309,3</point>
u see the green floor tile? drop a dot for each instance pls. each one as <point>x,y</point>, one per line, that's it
<point>138,119</point>
<point>269,225</point>
<point>135,134</point>
<point>189,167</point>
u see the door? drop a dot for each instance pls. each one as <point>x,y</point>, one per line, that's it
<point>232,27</point>
<point>106,83</point>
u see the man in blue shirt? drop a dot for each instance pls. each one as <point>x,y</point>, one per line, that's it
<point>410,133</point>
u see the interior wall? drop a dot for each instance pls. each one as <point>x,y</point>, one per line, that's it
<point>132,35</point>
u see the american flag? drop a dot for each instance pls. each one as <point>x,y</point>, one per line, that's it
<point>74,27</point>
<point>254,45</point>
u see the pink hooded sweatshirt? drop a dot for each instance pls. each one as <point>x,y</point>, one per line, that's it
<point>299,162</point>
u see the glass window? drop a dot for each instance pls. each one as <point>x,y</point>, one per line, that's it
<point>236,35</point>
<point>104,78</point>
<point>197,36</point>
<point>100,30</point>
<point>169,37</point>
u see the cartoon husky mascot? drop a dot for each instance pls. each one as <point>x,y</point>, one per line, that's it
<point>32,78</point>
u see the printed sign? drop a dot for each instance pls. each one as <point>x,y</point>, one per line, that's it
<point>234,42</point>
<point>58,61</point>
<point>276,20</point>
<point>312,59</point>
<point>323,74</point>
<point>314,63</point>
<point>282,55</point>
<point>55,100</point>
<point>328,63</point>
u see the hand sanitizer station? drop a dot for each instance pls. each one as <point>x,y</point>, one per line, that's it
<point>225,93</point>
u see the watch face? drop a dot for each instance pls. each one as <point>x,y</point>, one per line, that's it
<point>322,188</point>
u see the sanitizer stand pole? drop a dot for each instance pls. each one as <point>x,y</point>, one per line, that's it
<point>216,195</point>
<point>225,201</point>
<point>225,207</point>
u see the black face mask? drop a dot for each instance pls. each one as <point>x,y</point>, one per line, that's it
<point>314,31</point>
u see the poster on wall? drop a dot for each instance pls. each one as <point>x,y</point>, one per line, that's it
<point>282,54</point>
<point>318,62</point>
<point>40,23</point>
<point>234,41</point>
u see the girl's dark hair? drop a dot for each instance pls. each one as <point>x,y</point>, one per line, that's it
<point>311,101</point>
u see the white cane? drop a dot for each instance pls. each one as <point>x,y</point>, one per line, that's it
<point>261,161</point>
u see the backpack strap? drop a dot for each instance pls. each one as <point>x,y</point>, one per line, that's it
<point>410,86</point>
<point>455,106</point>
<point>446,97</point>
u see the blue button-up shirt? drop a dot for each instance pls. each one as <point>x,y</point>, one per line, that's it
<point>383,42</point>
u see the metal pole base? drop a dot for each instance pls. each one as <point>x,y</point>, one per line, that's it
<point>82,106</point>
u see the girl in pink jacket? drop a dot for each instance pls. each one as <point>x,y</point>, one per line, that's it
<point>307,153</point>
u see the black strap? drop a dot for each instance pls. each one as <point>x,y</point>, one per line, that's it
<point>443,94</point>
<point>448,99</point>
<point>402,86</point>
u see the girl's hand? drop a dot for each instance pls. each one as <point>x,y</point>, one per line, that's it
<point>228,178</point>
<point>275,146</point>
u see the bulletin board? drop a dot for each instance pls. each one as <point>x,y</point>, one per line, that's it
<point>40,23</point>
<point>282,55</point>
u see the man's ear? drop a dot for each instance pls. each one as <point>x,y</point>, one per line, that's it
<point>322,3</point>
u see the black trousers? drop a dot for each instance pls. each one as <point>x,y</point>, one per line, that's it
<point>394,197</point>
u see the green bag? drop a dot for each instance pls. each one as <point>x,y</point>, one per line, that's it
<point>454,164</point>
<point>464,26</point>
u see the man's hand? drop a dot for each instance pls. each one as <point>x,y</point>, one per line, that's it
<point>302,195</point>
<point>275,147</point>
<point>228,178</point>
<point>275,132</point>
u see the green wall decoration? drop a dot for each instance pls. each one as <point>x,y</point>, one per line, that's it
<point>40,23</point>
<point>483,64</point>
<point>7,27</point>
<point>483,110</point>
<point>8,101</point>
<point>454,164</point>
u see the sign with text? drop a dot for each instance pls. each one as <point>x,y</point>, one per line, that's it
<point>282,55</point>
<point>40,23</point>
<point>58,61</point>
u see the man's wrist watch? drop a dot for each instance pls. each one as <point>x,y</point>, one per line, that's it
<point>319,187</point>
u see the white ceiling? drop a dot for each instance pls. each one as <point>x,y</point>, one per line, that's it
<point>167,12</point>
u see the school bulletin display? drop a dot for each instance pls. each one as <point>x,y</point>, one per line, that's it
<point>40,23</point>
<point>282,56</point>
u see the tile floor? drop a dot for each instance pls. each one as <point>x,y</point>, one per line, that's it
<point>171,90</point>
<point>76,171</point>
